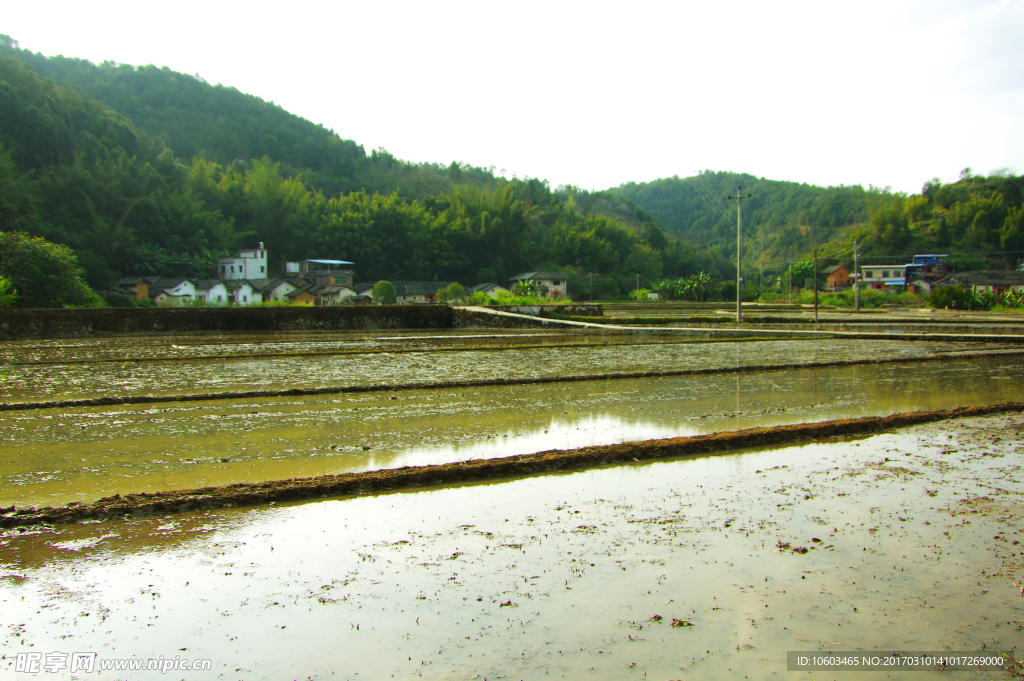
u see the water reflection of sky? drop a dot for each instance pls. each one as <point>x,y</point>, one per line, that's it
<point>586,431</point>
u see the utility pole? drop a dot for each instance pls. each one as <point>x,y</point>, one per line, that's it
<point>790,282</point>
<point>739,252</point>
<point>815,286</point>
<point>638,287</point>
<point>856,282</point>
<point>591,287</point>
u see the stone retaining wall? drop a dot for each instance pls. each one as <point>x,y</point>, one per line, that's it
<point>99,321</point>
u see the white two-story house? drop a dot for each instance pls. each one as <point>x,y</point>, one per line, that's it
<point>251,263</point>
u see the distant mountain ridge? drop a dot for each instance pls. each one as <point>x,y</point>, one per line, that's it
<point>789,214</point>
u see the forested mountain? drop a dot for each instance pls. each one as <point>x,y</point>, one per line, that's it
<point>80,174</point>
<point>783,219</point>
<point>976,219</point>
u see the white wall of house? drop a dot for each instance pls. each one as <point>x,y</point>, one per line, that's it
<point>246,294</point>
<point>165,299</point>
<point>335,297</point>
<point>185,289</point>
<point>492,291</point>
<point>556,287</point>
<point>251,263</point>
<point>281,290</point>
<point>217,294</point>
<point>885,275</point>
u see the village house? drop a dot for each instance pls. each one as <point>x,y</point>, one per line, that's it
<point>138,287</point>
<point>919,285</point>
<point>549,284</point>
<point>993,281</point>
<point>836,277</point>
<point>172,291</point>
<point>417,292</point>
<point>489,289</point>
<point>884,276</point>
<point>334,295</point>
<point>244,292</point>
<point>250,263</point>
<point>303,295</point>
<point>927,266</point>
<point>211,291</point>
<point>278,289</point>
<point>326,273</point>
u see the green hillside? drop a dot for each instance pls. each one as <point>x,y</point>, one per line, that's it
<point>81,174</point>
<point>784,218</point>
<point>975,219</point>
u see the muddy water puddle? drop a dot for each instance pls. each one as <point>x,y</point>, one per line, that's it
<point>57,456</point>
<point>908,540</point>
<point>41,381</point>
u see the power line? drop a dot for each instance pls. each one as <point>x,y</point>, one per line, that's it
<point>708,196</point>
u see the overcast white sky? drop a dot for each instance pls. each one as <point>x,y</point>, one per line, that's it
<point>598,93</point>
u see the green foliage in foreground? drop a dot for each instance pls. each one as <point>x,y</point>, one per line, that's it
<point>44,274</point>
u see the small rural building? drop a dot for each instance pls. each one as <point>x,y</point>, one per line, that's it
<point>928,265</point>
<point>836,276</point>
<point>303,295</point>
<point>489,289</point>
<point>417,292</point>
<point>919,285</point>
<point>138,287</point>
<point>278,289</point>
<point>884,276</point>
<point>334,295</point>
<point>172,291</point>
<point>244,293</point>
<point>550,284</point>
<point>212,291</point>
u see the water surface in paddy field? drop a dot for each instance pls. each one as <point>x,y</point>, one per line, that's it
<point>908,538</point>
<point>56,456</point>
<point>180,346</point>
<point>31,382</point>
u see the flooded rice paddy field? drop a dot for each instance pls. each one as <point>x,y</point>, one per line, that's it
<point>220,345</point>
<point>56,456</point>
<point>433,363</point>
<point>908,540</point>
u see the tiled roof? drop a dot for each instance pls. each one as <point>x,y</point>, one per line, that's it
<point>485,287</point>
<point>418,288</point>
